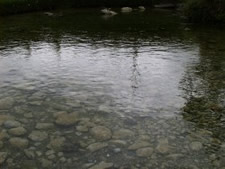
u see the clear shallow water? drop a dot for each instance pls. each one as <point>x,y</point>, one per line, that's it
<point>156,90</point>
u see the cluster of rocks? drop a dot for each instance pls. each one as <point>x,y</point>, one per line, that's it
<point>70,136</point>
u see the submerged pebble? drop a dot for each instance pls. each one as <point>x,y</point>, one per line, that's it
<point>101,133</point>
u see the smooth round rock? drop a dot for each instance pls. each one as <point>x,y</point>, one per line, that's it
<point>101,133</point>
<point>38,136</point>
<point>18,142</point>
<point>196,146</point>
<point>6,103</point>
<point>96,146</point>
<point>19,131</point>
<point>67,119</point>
<point>11,124</point>
<point>123,134</point>
<point>144,152</point>
<point>3,156</point>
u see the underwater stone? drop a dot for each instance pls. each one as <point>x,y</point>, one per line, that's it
<point>38,136</point>
<point>123,134</point>
<point>101,133</point>
<point>102,165</point>
<point>6,103</point>
<point>144,152</point>
<point>67,119</point>
<point>19,131</point>
<point>18,142</point>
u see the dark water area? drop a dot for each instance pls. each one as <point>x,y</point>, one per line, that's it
<point>139,90</point>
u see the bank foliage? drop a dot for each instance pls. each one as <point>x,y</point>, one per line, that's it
<point>205,10</point>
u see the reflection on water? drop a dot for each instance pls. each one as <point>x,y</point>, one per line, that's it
<point>129,91</point>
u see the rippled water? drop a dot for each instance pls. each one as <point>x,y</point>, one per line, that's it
<point>81,90</point>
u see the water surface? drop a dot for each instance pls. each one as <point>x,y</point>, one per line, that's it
<point>139,90</point>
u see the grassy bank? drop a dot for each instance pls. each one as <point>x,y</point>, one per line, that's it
<point>205,10</point>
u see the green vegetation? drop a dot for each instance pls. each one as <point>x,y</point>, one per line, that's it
<point>205,10</point>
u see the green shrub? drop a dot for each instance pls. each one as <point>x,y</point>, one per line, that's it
<point>205,10</point>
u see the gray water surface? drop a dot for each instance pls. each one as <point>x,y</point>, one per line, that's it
<point>138,90</point>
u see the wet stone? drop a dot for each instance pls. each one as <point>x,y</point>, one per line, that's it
<point>82,128</point>
<point>11,124</point>
<point>6,103</point>
<point>119,142</point>
<point>116,150</point>
<point>102,165</point>
<point>57,143</point>
<point>4,118</point>
<point>3,156</point>
<point>144,152</point>
<point>29,153</point>
<point>163,146</point>
<point>29,164</point>
<point>44,126</point>
<point>3,135</point>
<point>18,142</point>
<point>19,131</point>
<point>96,146</point>
<point>46,163</point>
<point>67,119</point>
<point>139,144</point>
<point>101,133</point>
<point>123,134</point>
<point>1,144</point>
<point>38,136</point>
<point>196,146</point>
<point>62,159</point>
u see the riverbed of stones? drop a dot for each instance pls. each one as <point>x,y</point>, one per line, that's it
<point>33,135</point>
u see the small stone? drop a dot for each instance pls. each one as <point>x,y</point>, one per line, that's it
<point>144,152</point>
<point>117,150</point>
<point>123,134</point>
<point>101,133</point>
<point>1,144</point>
<point>96,146</point>
<point>119,142</point>
<point>11,124</point>
<point>39,153</point>
<point>28,164</point>
<point>163,146</point>
<point>38,136</point>
<point>19,131</point>
<point>57,143</point>
<point>6,103</point>
<point>28,115</point>
<point>3,156</point>
<point>102,165</point>
<point>67,119</point>
<point>3,135</point>
<point>18,142</point>
<point>51,157</point>
<point>82,128</point>
<point>30,154</point>
<point>144,137</point>
<point>49,152</point>
<point>44,126</point>
<point>139,144</point>
<point>60,154</point>
<point>196,146</point>
<point>46,163</point>
<point>4,118</point>
<point>62,159</point>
